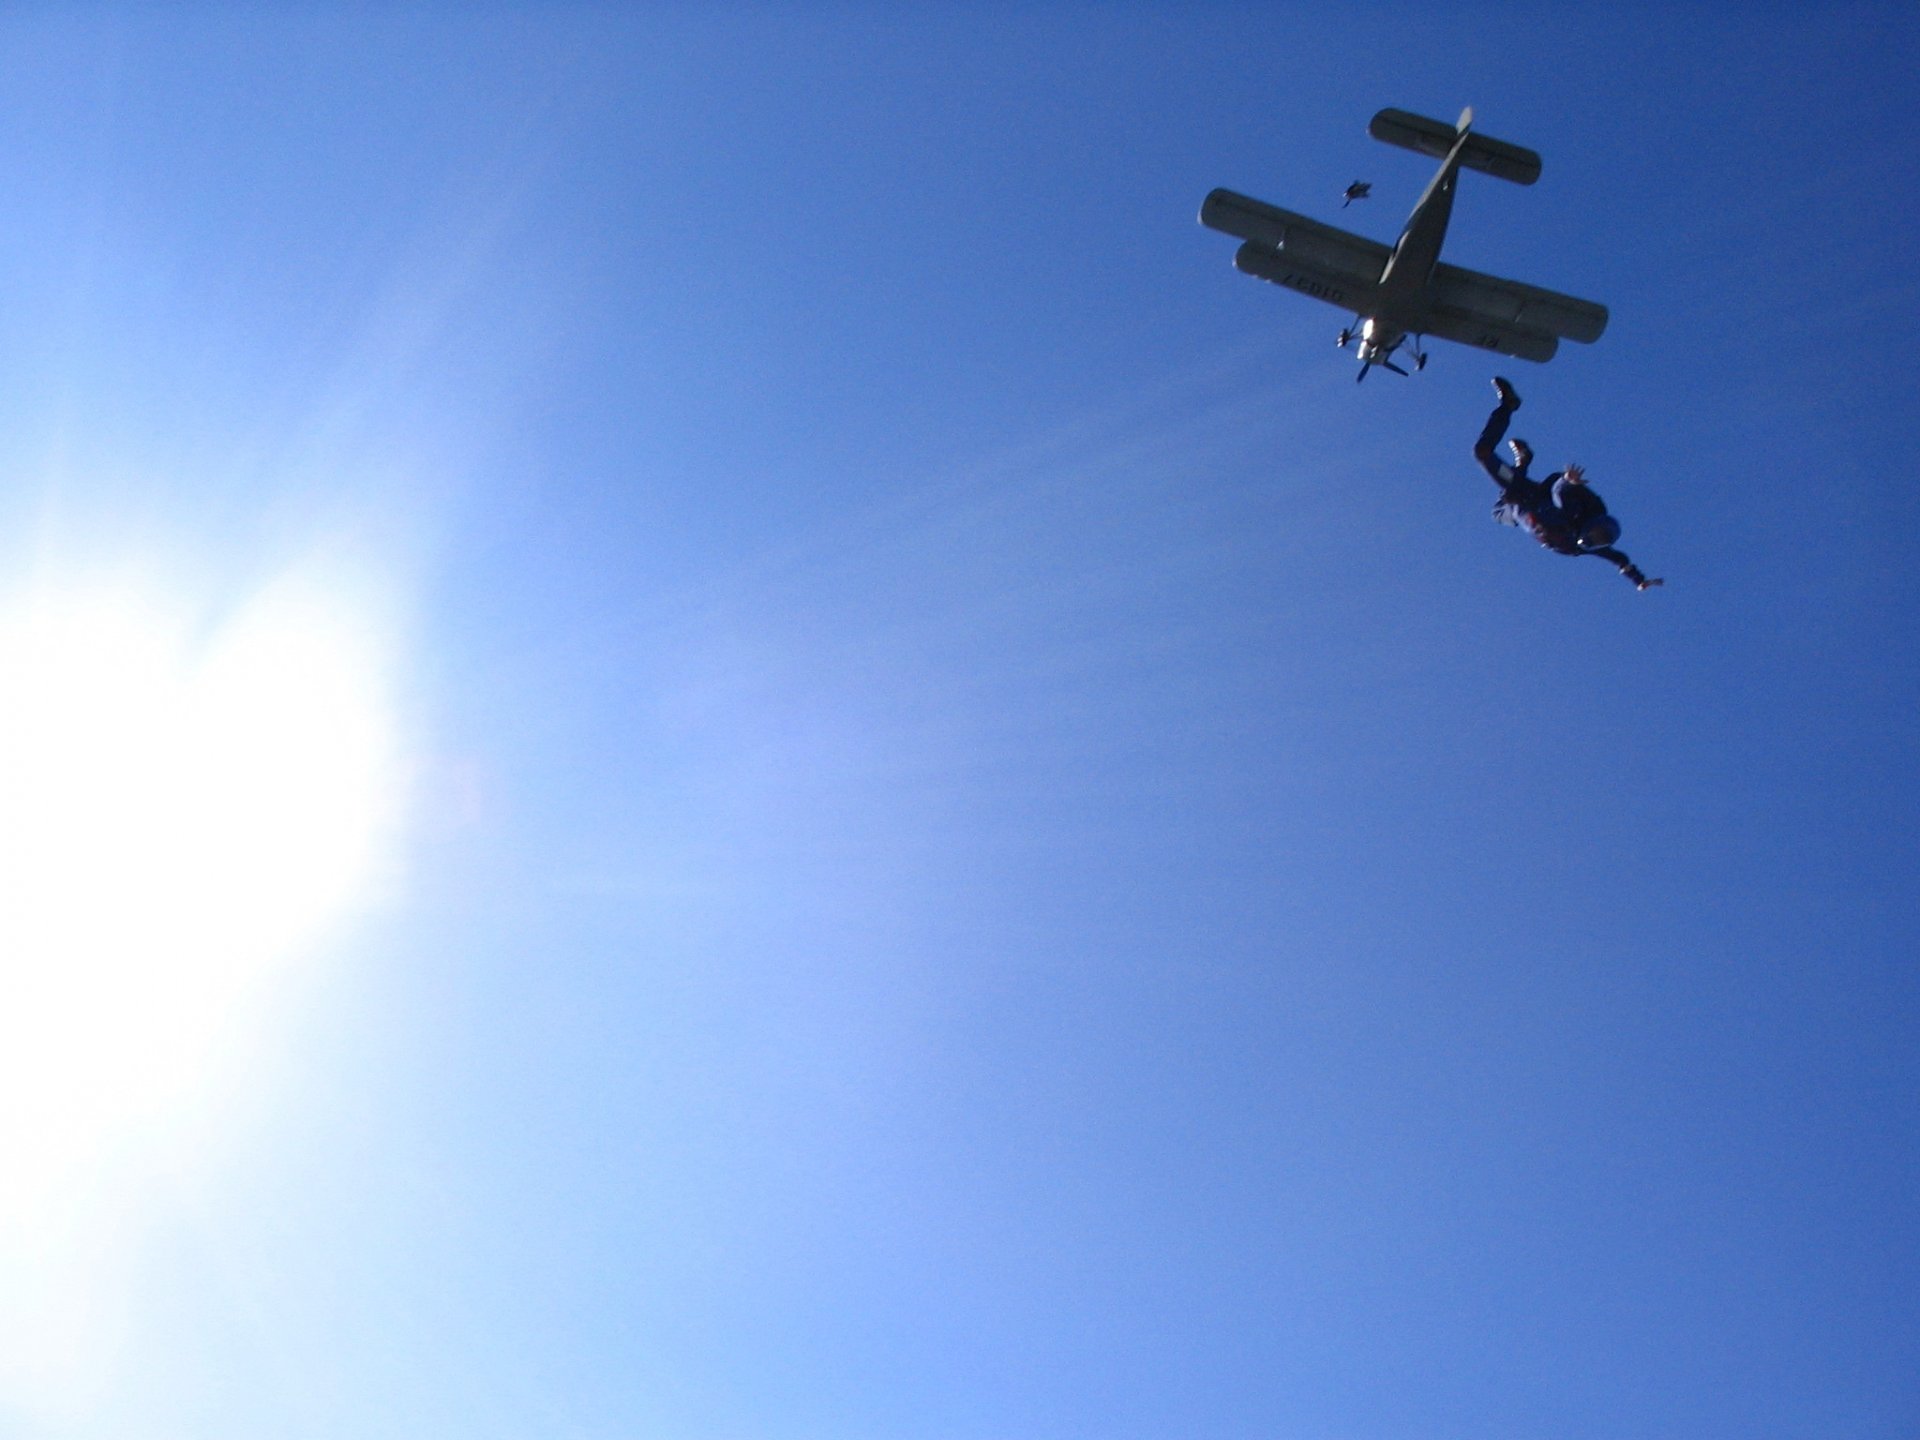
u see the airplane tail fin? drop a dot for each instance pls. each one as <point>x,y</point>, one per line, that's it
<point>1436,138</point>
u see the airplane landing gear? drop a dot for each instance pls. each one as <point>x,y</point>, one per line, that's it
<point>1343,339</point>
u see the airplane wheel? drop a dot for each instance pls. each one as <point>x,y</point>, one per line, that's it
<point>1343,339</point>
<point>1419,362</point>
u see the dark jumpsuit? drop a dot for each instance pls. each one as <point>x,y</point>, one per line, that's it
<point>1554,512</point>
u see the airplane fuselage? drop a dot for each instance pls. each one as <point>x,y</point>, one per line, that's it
<point>1401,305</point>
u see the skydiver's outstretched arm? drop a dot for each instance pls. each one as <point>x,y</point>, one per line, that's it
<point>1620,562</point>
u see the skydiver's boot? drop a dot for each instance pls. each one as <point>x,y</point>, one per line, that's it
<point>1509,397</point>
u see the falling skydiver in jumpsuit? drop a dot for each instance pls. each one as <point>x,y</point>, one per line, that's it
<point>1561,512</point>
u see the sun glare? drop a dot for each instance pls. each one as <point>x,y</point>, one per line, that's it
<point>183,804</point>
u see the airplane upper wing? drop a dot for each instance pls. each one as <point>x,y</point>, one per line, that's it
<point>1509,305</point>
<point>1332,254</point>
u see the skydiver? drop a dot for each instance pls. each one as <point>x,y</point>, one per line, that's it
<point>1358,190</point>
<point>1562,512</point>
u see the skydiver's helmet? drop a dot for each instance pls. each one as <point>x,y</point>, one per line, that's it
<point>1522,453</point>
<point>1601,533</point>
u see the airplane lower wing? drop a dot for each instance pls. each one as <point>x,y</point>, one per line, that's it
<point>1334,256</point>
<point>1464,329</point>
<point>1509,305</point>
<point>1280,266</point>
<point>1346,270</point>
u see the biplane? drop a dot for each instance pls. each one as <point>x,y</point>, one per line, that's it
<point>1406,291</point>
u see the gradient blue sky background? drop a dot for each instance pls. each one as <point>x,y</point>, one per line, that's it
<point>990,847</point>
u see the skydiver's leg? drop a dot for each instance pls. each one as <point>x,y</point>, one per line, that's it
<point>1618,559</point>
<point>1490,437</point>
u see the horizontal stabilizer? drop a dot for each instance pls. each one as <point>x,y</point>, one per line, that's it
<point>1436,137</point>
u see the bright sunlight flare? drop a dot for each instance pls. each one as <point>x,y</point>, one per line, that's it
<point>185,800</point>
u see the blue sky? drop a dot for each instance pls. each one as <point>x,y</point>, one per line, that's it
<point>931,824</point>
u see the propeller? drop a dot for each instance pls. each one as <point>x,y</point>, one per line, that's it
<point>1366,365</point>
